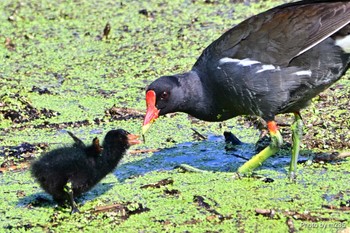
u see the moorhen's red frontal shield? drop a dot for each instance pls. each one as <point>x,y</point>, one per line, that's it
<point>152,111</point>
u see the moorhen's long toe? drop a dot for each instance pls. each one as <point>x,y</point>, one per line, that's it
<point>272,63</point>
<point>68,172</point>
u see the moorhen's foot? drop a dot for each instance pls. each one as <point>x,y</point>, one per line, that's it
<point>189,168</point>
<point>264,179</point>
<point>75,210</point>
<point>238,176</point>
<point>292,177</point>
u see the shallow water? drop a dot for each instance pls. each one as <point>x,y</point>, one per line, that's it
<point>209,155</point>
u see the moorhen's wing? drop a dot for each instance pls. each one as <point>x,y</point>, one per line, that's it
<point>77,142</point>
<point>280,34</point>
<point>96,146</point>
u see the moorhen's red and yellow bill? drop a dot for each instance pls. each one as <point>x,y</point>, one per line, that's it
<point>272,63</point>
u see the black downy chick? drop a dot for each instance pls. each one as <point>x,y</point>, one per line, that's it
<point>68,172</point>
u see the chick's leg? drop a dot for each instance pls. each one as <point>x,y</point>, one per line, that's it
<point>69,190</point>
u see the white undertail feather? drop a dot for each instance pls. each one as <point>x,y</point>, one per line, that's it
<point>344,43</point>
<point>322,39</point>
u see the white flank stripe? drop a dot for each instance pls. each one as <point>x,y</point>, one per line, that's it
<point>244,62</point>
<point>247,62</point>
<point>227,60</point>
<point>304,72</point>
<point>266,67</point>
<point>344,43</point>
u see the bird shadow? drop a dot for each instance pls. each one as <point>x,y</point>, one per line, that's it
<point>209,155</point>
<point>42,199</point>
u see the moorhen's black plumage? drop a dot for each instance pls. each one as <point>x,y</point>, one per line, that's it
<point>272,63</point>
<point>68,172</point>
<point>92,152</point>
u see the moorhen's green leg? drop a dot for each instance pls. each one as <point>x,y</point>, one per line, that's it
<point>68,189</point>
<point>297,133</point>
<point>258,159</point>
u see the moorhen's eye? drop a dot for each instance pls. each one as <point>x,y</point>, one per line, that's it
<point>164,95</point>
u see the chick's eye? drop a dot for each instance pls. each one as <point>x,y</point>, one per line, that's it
<point>164,95</point>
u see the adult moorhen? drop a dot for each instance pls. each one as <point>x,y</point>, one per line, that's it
<point>272,63</point>
<point>68,172</point>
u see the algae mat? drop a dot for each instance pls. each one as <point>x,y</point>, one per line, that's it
<point>63,69</point>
